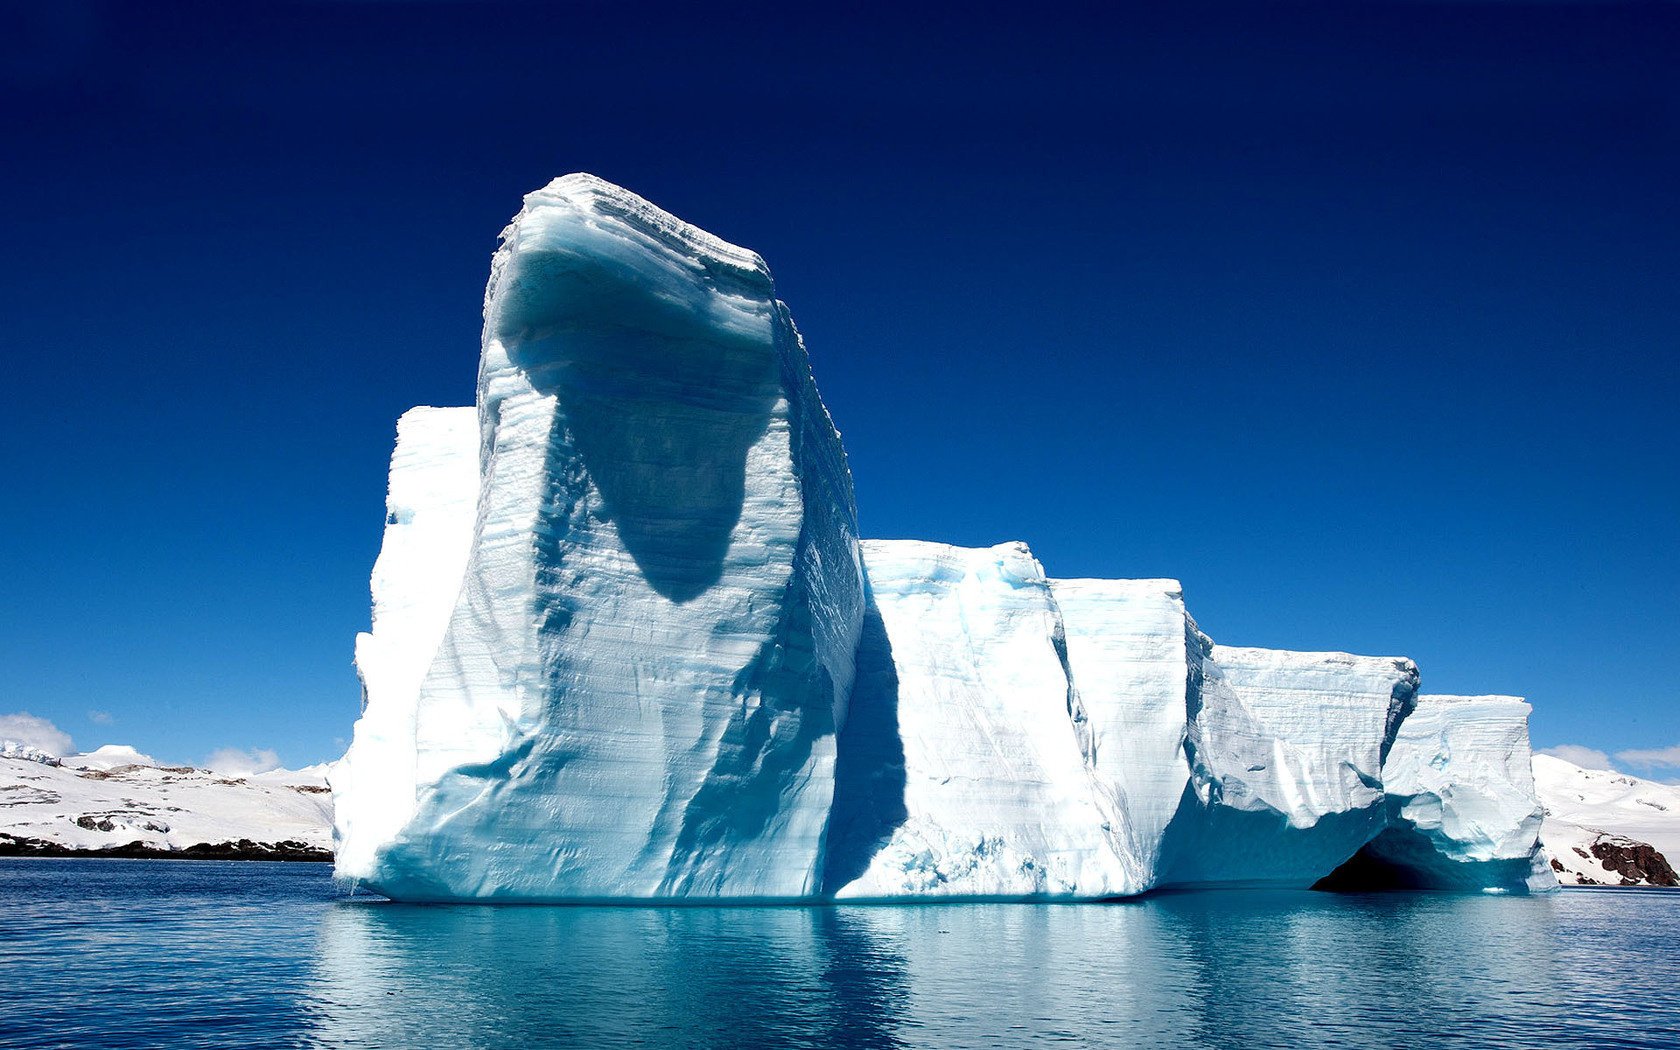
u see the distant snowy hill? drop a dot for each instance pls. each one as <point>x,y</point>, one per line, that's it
<point>117,800</point>
<point>108,757</point>
<point>1607,828</point>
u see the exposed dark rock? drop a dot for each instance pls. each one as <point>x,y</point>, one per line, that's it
<point>1638,863</point>
<point>243,849</point>
<point>25,795</point>
<point>1557,865</point>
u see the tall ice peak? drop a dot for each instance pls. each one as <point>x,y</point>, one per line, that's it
<point>621,657</point>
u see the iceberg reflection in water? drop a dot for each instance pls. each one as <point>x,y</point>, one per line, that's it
<point>204,954</point>
<point>1275,968</point>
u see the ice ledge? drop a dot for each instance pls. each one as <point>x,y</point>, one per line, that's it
<point>613,203</point>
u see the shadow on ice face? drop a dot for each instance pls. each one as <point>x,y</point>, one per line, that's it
<point>666,377</point>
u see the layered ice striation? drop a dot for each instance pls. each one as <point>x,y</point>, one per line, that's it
<point>627,646</point>
<point>996,793</point>
<point>1137,658</point>
<point>650,641</point>
<point>1462,807</point>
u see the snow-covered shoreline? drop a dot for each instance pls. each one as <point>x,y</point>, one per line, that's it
<point>114,803</point>
<point>244,849</point>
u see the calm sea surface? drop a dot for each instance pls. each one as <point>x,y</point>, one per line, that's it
<point>160,953</point>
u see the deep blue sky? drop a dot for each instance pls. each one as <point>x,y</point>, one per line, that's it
<point>1361,320</point>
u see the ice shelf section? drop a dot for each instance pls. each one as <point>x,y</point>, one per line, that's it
<point>1136,656</point>
<point>1462,808</point>
<point>999,797</point>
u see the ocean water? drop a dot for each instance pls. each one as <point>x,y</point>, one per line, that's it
<point>180,954</point>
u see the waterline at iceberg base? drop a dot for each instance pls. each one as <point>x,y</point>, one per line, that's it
<point>628,646</point>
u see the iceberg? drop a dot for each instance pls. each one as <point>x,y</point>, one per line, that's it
<point>649,642</point>
<point>627,646</point>
<point>1083,739</point>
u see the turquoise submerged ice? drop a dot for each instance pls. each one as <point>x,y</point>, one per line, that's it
<point>626,646</point>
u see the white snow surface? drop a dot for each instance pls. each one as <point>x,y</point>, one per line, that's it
<point>651,643</point>
<point>160,807</point>
<point>1583,806</point>
<point>109,756</point>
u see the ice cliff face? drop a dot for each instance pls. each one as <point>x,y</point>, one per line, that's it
<point>1138,660</point>
<point>1285,751</point>
<point>996,793</point>
<point>627,646</point>
<point>650,643</point>
<point>1462,809</point>
<point>429,516</point>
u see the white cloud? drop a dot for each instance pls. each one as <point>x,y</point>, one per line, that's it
<point>232,762</point>
<point>1647,757</point>
<point>1585,757</point>
<point>26,728</point>
<point>99,718</point>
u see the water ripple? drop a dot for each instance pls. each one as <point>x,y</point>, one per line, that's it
<point>158,953</point>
